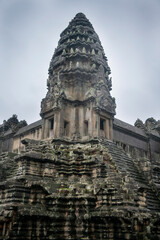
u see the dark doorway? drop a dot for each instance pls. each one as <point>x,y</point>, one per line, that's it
<point>102,124</point>
<point>66,128</point>
<point>86,128</point>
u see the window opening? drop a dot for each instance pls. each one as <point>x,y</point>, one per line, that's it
<point>102,121</point>
<point>85,128</point>
<point>66,128</point>
<point>51,127</point>
<point>52,123</point>
<point>124,147</point>
<point>33,132</point>
<point>65,124</point>
<point>38,133</point>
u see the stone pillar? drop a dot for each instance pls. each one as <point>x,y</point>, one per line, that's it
<point>58,124</point>
<point>111,129</point>
<point>77,121</point>
<point>94,124</point>
<point>72,121</point>
<point>61,126</point>
<point>54,126</point>
<point>107,129</point>
<point>98,125</point>
<point>81,121</point>
<point>43,130</point>
<point>45,133</point>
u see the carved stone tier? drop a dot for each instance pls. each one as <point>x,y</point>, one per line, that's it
<point>61,189</point>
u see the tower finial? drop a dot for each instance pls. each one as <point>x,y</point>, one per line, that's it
<point>80,15</point>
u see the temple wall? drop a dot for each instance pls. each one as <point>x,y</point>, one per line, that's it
<point>155,145</point>
<point>35,134</point>
<point>87,121</point>
<point>72,120</point>
<point>83,121</point>
<point>137,145</point>
<point>6,145</point>
<point>129,139</point>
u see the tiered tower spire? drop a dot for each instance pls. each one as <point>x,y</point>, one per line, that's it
<point>78,103</point>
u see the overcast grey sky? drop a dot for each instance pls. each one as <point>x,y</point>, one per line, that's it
<point>130,34</point>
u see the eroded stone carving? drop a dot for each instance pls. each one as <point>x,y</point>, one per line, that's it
<point>94,64</point>
<point>61,188</point>
<point>77,183</point>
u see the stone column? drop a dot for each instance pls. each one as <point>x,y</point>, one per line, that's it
<point>60,122</point>
<point>77,121</point>
<point>98,125</point>
<point>81,121</point>
<point>72,121</point>
<point>107,129</point>
<point>111,129</point>
<point>46,128</point>
<point>94,124</point>
<point>43,129</point>
<point>56,124</point>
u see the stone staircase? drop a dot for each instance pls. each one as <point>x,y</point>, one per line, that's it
<point>126,166</point>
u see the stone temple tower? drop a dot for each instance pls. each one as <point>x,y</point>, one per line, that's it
<point>78,104</point>
<point>76,182</point>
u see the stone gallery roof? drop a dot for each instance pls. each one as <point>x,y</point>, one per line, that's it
<point>128,127</point>
<point>119,124</point>
<point>29,127</point>
<point>8,132</point>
